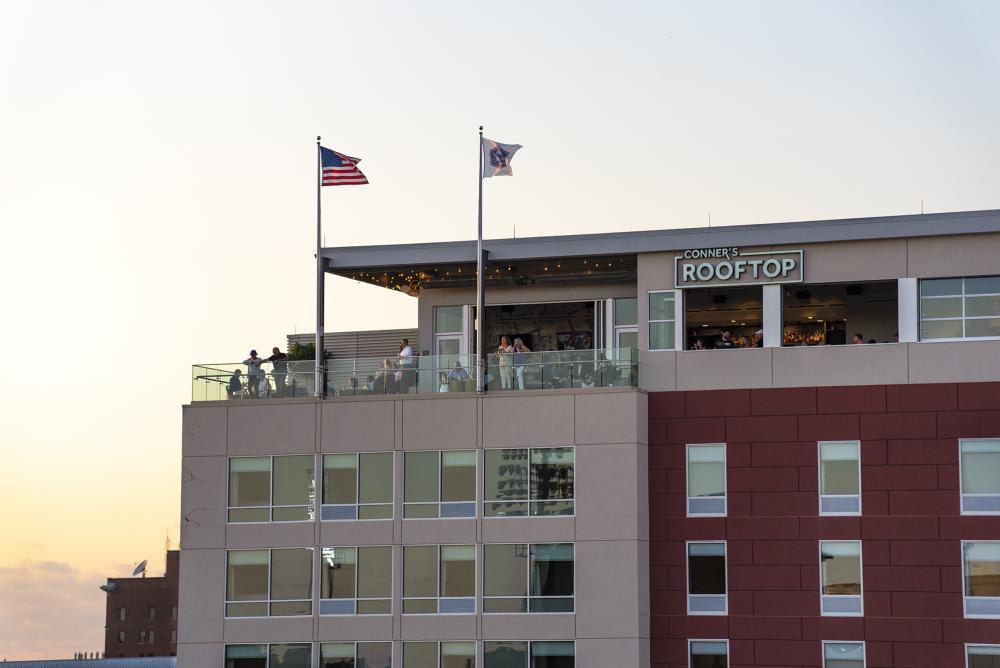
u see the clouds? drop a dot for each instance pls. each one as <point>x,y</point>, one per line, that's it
<point>49,609</point>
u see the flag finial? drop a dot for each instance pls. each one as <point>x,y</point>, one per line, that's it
<point>480,129</point>
<point>318,138</point>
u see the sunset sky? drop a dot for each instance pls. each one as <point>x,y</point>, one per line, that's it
<point>157,195</point>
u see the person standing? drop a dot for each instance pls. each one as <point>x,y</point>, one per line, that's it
<point>505,353</point>
<point>520,360</point>
<point>405,364</point>
<point>279,371</point>
<point>253,373</point>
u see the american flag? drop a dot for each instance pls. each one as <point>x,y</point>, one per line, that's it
<point>340,169</point>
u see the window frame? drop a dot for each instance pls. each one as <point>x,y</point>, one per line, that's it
<point>650,321</point>
<point>356,598</point>
<point>864,649</point>
<point>961,490</point>
<point>978,644</point>
<point>529,500</point>
<point>310,508</point>
<point>459,506</point>
<point>323,506</point>
<point>437,570</point>
<point>819,481</point>
<point>392,648</point>
<point>268,601</point>
<point>687,579</point>
<point>687,480</point>
<point>965,596</point>
<point>963,318</point>
<point>844,597</point>
<point>267,649</point>
<point>527,598</point>
<point>691,641</point>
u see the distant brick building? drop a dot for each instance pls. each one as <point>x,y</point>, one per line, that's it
<point>142,614</point>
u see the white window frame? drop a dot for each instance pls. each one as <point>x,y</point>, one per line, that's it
<point>819,472</point>
<point>529,500</point>
<point>860,598</point>
<point>270,491</point>
<point>392,648</point>
<point>687,481</point>
<point>650,321</point>
<point>463,510</point>
<point>993,499</point>
<point>963,318</point>
<point>528,597</point>
<point>864,649</point>
<point>706,597</point>
<point>354,601</point>
<point>969,645</point>
<point>267,650</point>
<point>992,601</point>
<point>268,601</point>
<point>694,640</point>
<point>333,509</point>
<point>456,599</point>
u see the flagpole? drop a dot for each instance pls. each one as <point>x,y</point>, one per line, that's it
<point>320,385</point>
<point>480,284</point>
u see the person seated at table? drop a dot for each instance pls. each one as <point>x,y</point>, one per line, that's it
<point>235,387</point>
<point>458,373</point>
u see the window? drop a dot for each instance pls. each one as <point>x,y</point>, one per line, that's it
<point>297,655</point>
<point>708,653</point>
<point>121,614</point>
<point>839,478</point>
<point>982,656</point>
<point>121,636</point>
<point>439,655</point>
<point>706,566</point>
<point>173,636</point>
<point>843,654</point>
<point>524,654</point>
<point>152,613</point>
<point>439,484</point>
<point>528,578</point>
<point>832,314</point>
<point>439,579</point>
<point>448,328</point>
<point>357,486</point>
<point>980,474</point>
<point>981,571</point>
<point>661,320</point>
<point>960,308</point>
<point>152,637</point>
<point>356,581</point>
<point>706,479</point>
<point>535,481</point>
<point>840,577</point>
<point>724,318</point>
<point>271,489</point>
<point>275,582</point>
<point>626,321</point>
<point>356,655</point>
<point>142,637</point>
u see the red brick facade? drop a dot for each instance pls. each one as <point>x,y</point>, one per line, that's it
<point>911,527</point>
<point>137,596</point>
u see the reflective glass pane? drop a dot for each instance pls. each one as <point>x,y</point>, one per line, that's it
<point>627,311</point>
<point>246,656</point>
<point>339,568</point>
<point>980,467</point>
<point>706,475</point>
<point>709,654</point>
<point>505,571</point>
<point>552,569</point>
<point>296,655</point>
<point>506,479</point>
<point>661,336</point>
<point>420,476</point>
<point>843,655</point>
<point>508,654</point>
<point>340,479</point>
<point>375,572</point>
<point>458,570</point>
<point>458,655</point>
<point>841,568</point>
<point>941,308</point>
<point>291,573</point>
<point>706,568</point>
<point>982,569</point>
<point>420,655</point>
<point>374,655</point>
<point>458,475</point>
<point>941,329</point>
<point>420,570</point>
<point>293,480</point>
<point>337,655</point>
<point>249,481</point>
<point>661,305</point>
<point>552,474</point>
<point>984,656</point>
<point>940,286</point>
<point>447,319</point>
<point>375,478</point>
<point>839,468</point>
<point>982,306</point>
<point>982,285</point>
<point>982,327</point>
<point>246,577</point>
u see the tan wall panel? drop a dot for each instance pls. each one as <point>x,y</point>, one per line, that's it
<point>607,501</point>
<point>203,432</point>
<point>657,370</point>
<point>529,627</point>
<point>273,534</point>
<point>344,534</point>
<point>358,425</point>
<point>964,362</point>
<point>526,420</point>
<point>269,630</point>
<point>201,602</point>
<point>358,628</point>
<point>601,653</point>
<point>607,595</point>
<point>723,369</point>
<point>203,502</point>
<point>267,429</point>
<point>443,532</point>
<point>854,261</point>
<point>440,423</point>
<point>200,655</point>
<point>609,417</point>
<point>440,627</point>
<point>868,364</point>
<point>967,255</point>
<point>529,530</point>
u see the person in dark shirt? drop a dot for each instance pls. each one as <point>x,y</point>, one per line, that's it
<point>235,387</point>
<point>858,339</point>
<point>725,341</point>
<point>280,362</point>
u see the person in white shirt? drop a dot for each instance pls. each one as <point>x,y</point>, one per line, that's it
<point>405,364</point>
<point>254,374</point>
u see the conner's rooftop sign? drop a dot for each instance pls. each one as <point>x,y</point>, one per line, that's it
<point>712,267</point>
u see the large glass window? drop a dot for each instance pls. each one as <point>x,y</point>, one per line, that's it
<point>982,656</point>
<point>706,479</point>
<point>276,582</point>
<point>439,655</point>
<point>528,578</point>
<point>840,577</point>
<point>525,654</point>
<point>271,489</point>
<point>626,321</point>
<point>706,566</point>
<point>839,478</point>
<point>843,655</point>
<point>708,653</point>
<point>957,308</point>
<point>357,486</point>
<point>535,481</point>
<point>439,579</point>
<point>980,474</point>
<point>724,318</point>
<point>283,655</point>
<point>356,581</point>
<point>661,320</point>
<point>833,314</point>
<point>981,570</point>
<point>439,484</point>
<point>356,655</point>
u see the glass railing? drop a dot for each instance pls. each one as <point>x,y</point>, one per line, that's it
<point>425,374</point>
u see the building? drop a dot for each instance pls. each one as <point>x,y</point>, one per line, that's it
<point>693,467</point>
<point>141,614</point>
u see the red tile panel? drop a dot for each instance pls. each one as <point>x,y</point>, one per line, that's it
<point>978,396</point>
<point>829,427</point>
<point>783,401</point>
<point>853,399</point>
<point>717,403</point>
<point>929,397</point>
<point>761,428</point>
